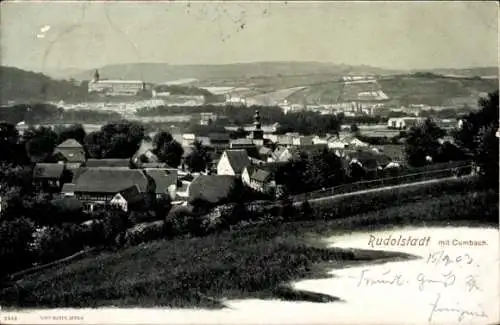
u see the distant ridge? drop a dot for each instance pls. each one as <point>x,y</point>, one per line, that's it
<point>163,72</point>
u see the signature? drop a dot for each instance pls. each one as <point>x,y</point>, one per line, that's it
<point>369,277</point>
<point>447,280</point>
<point>462,313</point>
<point>391,279</point>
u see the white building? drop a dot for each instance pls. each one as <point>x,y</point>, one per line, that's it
<point>115,87</point>
<point>233,162</point>
<point>403,122</point>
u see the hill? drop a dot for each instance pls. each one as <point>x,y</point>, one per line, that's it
<point>23,86</point>
<point>466,72</point>
<point>405,89</point>
<point>161,72</point>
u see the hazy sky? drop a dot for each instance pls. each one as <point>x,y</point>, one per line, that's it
<point>402,35</point>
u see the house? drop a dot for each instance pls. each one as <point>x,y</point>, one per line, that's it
<point>127,198</point>
<point>241,143</point>
<point>70,151</point>
<point>302,141</point>
<point>261,177</point>
<point>233,162</point>
<point>154,165</point>
<point>400,123</point>
<point>68,189</point>
<point>335,142</point>
<point>265,153</point>
<point>47,176</point>
<point>394,151</point>
<point>98,186</point>
<point>145,154</point>
<point>219,141</point>
<point>246,144</point>
<point>284,140</point>
<point>205,141</point>
<point>293,152</point>
<point>213,189</point>
<point>106,163</point>
<point>368,160</point>
<point>164,180</point>
<point>319,140</point>
<point>188,139</point>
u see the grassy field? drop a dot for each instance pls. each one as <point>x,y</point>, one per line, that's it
<point>252,262</point>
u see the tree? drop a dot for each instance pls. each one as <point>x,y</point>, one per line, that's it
<point>487,154</point>
<point>354,128</point>
<point>115,140</point>
<point>40,142</point>
<point>94,145</point>
<point>478,136</point>
<point>15,237</point>
<point>356,172</point>
<point>306,211</point>
<point>474,121</point>
<point>199,159</point>
<point>422,141</point>
<point>323,169</point>
<point>75,131</point>
<point>167,149</point>
<point>9,144</point>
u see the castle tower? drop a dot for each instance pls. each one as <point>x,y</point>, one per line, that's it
<point>96,76</point>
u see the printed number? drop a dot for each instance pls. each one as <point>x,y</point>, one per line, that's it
<point>10,318</point>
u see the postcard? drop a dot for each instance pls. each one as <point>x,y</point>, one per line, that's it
<point>241,162</point>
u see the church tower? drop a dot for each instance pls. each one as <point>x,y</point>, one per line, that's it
<point>257,133</point>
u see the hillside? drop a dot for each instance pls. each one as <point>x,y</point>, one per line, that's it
<point>26,86</point>
<point>424,88</point>
<point>467,72</point>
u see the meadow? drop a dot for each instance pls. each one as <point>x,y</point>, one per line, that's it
<point>255,261</point>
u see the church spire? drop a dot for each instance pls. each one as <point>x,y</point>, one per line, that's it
<point>256,122</point>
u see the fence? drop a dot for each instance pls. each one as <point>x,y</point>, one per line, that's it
<point>415,175</point>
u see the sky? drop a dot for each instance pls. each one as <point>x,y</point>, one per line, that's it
<point>54,36</point>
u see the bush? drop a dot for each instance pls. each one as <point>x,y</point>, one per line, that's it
<point>176,223</point>
<point>144,232</point>
<point>61,241</point>
<point>15,238</point>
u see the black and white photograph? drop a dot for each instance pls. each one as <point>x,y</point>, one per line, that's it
<point>249,162</point>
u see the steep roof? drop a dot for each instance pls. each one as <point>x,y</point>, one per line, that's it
<point>46,170</point>
<point>242,141</point>
<point>68,188</point>
<point>265,151</point>
<point>212,188</point>
<point>261,175</point>
<point>109,180</point>
<point>131,194</point>
<point>70,154</point>
<point>285,139</point>
<point>154,165</point>
<point>163,178</point>
<point>70,143</point>
<point>107,163</point>
<point>370,159</point>
<point>238,159</point>
<point>218,137</point>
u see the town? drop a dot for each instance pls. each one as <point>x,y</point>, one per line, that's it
<point>191,160</point>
